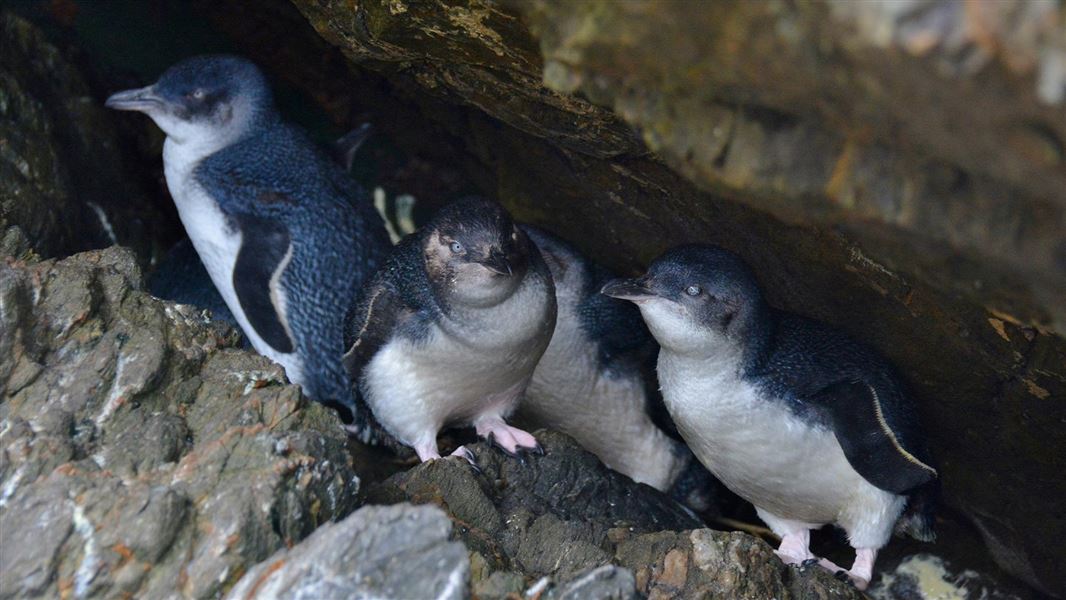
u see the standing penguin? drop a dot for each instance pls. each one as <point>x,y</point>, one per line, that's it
<point>593,381</point>
<point>284,234</point>
<point>449,330</point>
<point>807,424</point>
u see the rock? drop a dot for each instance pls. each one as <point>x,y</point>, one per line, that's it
<point>712,564</point>
<point>912,198</point>
<point>499,585</point>
<point>546,517</point>
<point>399,551</point>
<point>144,456</point>
<point>928,577</point>
<point>609,582</point>
<point>911,116</point>
<point>63,178</point>
<point>579,530</point>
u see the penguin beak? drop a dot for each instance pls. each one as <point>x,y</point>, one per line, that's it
<point>634,290</point>
<point>498,263</point>
<point>141,99</point>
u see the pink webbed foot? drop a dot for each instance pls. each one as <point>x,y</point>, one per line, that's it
<point>861,570</point>
<point>509,439</point>
<point>795,548</point>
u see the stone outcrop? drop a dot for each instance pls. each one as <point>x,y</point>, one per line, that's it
<point>141,455</point>
<point>64,178</point>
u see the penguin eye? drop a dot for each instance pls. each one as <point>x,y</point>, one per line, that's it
<point>197,94</point>
<point>456,247</point>
<point>693,290</point>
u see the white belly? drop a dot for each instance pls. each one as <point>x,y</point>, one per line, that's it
<point>217,244</point>
<point>477,364</point>
<point>415,390</point>
<point>606,414</point>
<point>768,456</point>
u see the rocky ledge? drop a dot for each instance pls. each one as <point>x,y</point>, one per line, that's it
<point>143,455</point>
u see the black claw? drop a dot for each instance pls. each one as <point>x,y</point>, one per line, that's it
<point>538,450</point>
<point>469,458</point>
<point>842,575</point>
<point>810,562</point>
<point>475,467</point>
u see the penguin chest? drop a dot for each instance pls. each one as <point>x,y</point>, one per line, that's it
<point>756,446</point>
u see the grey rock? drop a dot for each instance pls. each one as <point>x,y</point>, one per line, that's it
<point>499,585</point>
<point>609,582</point>
<point>139,451</point>
<point>398,551</point>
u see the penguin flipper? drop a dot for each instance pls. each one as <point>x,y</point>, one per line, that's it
<point>266,250</point>
<point>872,447</point>
<point>373,321</point>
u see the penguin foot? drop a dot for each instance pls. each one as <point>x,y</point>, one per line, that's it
<point>857,576</point>
<point>515,454</point>
<point>509,439</point>
<point>795,548</point>
<point>465,453</point>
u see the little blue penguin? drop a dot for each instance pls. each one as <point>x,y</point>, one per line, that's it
<point>286,236</point>
<point>449,330</point>
<point>595,381</point>
<point>181,277</point>
<point>806,423</point>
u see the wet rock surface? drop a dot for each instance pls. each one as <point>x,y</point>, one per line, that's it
<point>64,179</point>
<point>141,454</point>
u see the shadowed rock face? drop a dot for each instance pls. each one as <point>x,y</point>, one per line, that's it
<point>897,174</point>
<point>142,455</point>
<point>62,174</point>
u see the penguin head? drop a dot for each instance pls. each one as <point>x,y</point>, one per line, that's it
<point>695,298</point>
<point>209,100</point>
<point>474,254</point>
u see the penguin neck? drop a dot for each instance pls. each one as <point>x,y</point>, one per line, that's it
<point>186,145</point>
<point>513,320</point>
<point>742,348</point>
